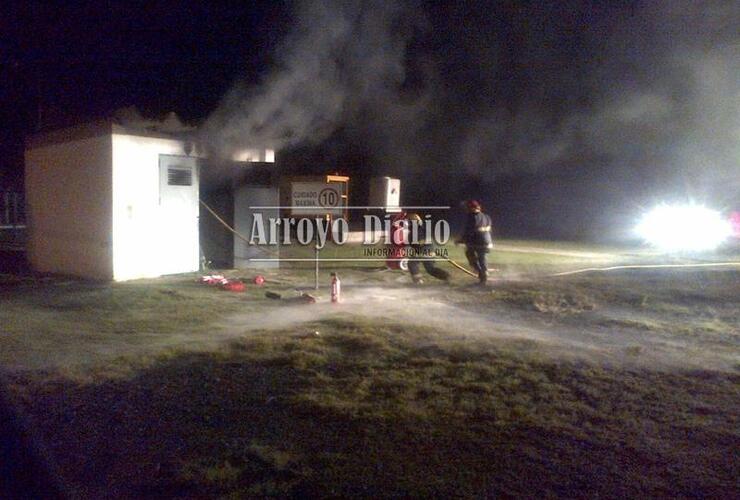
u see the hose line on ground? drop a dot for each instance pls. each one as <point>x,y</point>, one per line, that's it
<point>646,266</point>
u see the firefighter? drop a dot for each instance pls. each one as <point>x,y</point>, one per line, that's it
<point>421,252</point>
<point>477,239</point>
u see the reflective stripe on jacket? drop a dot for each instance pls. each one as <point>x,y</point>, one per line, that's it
<point>478,230</point>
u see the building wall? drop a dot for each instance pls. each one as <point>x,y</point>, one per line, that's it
<point>244,198</point>
<point>148,239</point>
<point>217,242</point>
<point>68,196</point>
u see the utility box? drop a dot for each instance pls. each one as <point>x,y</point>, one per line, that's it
<point>107,202</point>
<point>385,193</point>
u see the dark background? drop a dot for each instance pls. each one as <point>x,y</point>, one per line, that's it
<point>567,119</point>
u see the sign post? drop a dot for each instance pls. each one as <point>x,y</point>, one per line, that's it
<point>319,199</point>
<point>316,271</point>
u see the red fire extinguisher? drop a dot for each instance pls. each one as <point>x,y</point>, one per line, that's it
<point>336,288</point>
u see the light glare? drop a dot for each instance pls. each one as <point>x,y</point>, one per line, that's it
<point>684,228</point>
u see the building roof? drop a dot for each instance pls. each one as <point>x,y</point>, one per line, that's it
<point>109,126</point>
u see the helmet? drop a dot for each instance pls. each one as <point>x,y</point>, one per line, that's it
<point>473,205</point>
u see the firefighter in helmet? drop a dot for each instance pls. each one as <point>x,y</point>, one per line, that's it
<point>477,239</point>
<point>421,252</point>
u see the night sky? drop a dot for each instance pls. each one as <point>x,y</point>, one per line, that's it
<point>72,61</point>
<point>565,118</point>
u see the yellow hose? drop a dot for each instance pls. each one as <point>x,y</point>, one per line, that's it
<point>646,266</point>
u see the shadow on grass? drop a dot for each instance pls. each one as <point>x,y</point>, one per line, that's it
<point>374,410</point>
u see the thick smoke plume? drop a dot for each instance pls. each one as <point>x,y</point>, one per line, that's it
<point>622,94</point>
<point>338,57</point>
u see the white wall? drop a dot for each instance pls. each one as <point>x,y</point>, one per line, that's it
<point>142,230</point>
<point>68,195</point>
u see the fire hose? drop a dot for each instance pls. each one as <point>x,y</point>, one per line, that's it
<point>227,226</point>
<point>615,268</point>
<point>646,266</point>
<point>462,268</point>
<point>565,273</point>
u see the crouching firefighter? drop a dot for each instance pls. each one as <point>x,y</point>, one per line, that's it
<point>421,252</point>
<point>477,239</point>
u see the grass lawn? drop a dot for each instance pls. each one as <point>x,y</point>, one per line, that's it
<point>588,385</point>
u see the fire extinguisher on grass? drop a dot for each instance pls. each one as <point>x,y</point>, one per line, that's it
<point>336,288</point>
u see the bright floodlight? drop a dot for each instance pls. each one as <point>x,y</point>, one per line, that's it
<point>684,227</point>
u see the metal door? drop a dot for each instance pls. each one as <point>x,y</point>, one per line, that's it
<point>178,202</point>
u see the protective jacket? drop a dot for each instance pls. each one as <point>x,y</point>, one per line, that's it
<point>478,230</point>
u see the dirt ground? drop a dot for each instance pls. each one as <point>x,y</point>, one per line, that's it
<point>601,383</point>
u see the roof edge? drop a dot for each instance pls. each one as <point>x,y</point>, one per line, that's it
<point>95,129</point>
<point>67,134</point>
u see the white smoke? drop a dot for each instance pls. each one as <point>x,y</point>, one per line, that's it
<point>651,90</point>
<point>339,57</point>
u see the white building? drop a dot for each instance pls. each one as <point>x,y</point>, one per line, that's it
<point>108,202</point>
